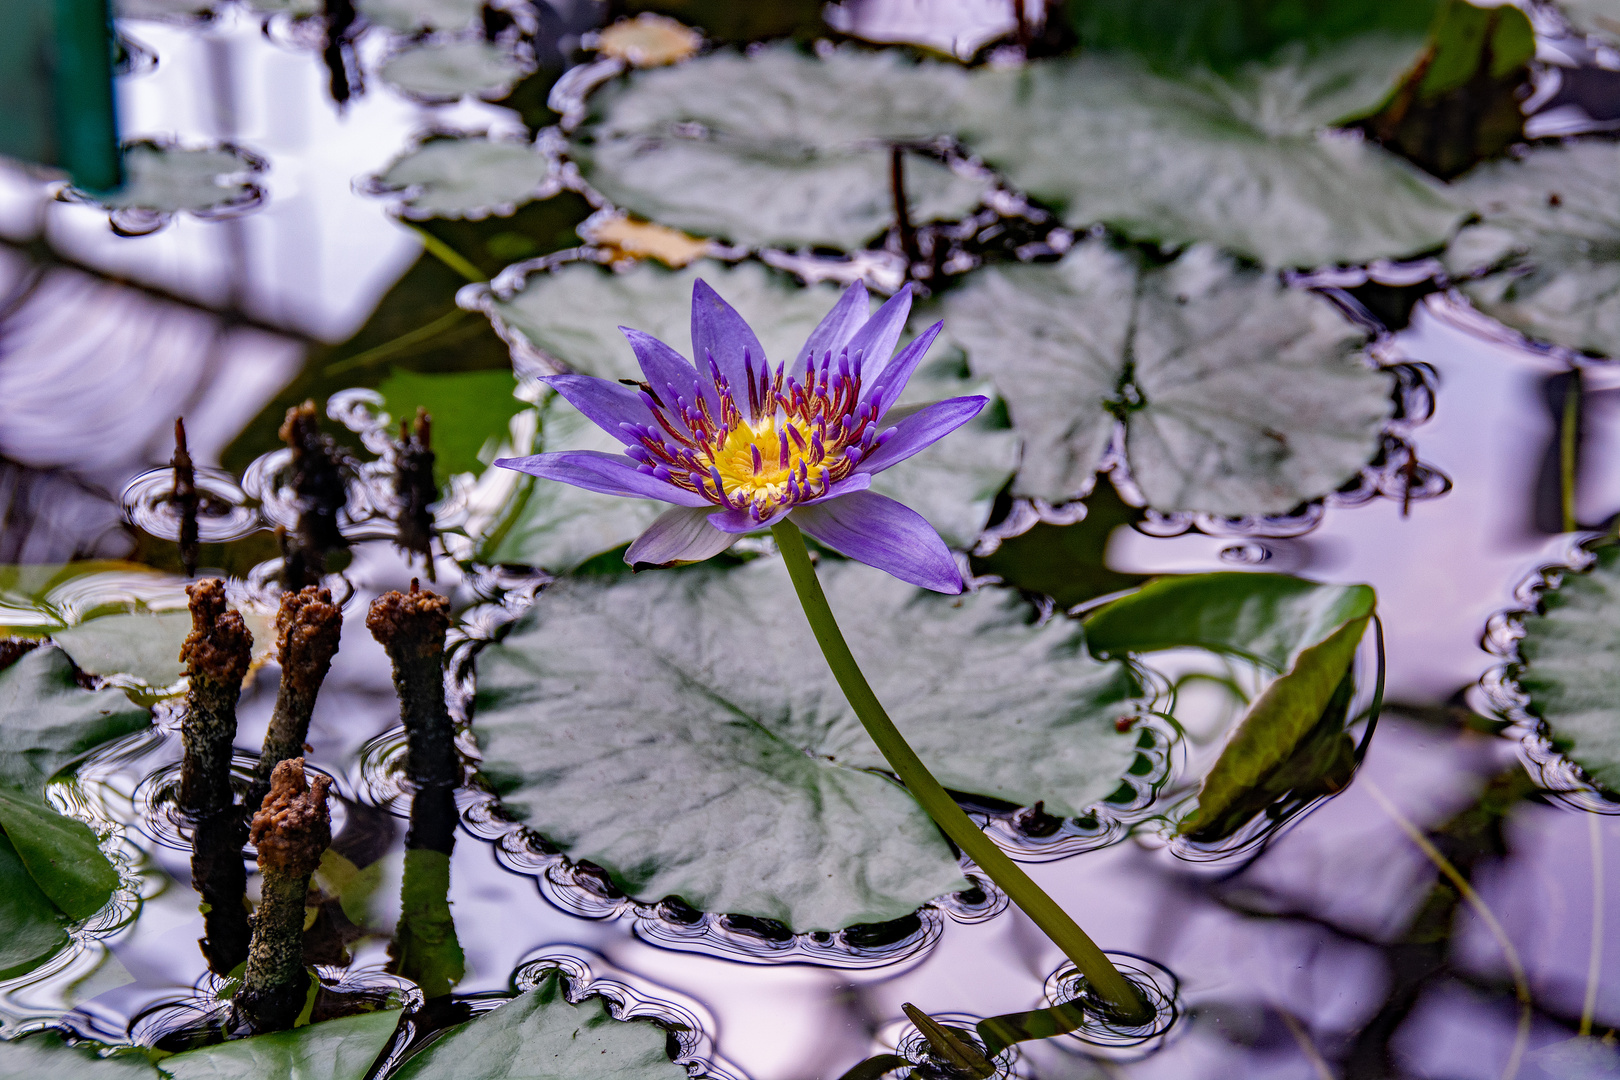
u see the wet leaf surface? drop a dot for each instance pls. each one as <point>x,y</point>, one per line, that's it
<point>31,931</point>
<point>440,71</point>
<point>1107,141</point>
<point>679,729</point>
<point>145,644</point>
<point>1571,652</point>
<point>47,721</point>
<point>777,147</point>
<point>1544,258</point>
<point>465,177</point>
<point>540,1036</point>
<point>342,1049</point>
<point>1306,632</point>
<point>1239,396</point>
<point>60,853</point>
<point>46,1057</point>
<point>573,315</point>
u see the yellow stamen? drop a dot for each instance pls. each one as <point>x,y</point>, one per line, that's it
<point>735,461</point>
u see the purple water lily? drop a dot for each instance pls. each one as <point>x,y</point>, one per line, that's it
<point>737,445</point>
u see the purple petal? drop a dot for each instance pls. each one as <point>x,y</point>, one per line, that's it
<point>876,340</point>
<point>717,329</point>
<point>681,535</point>
<point>883,533</point>
<point>858,481</point>
<point>834,331</point>
<point>609,474</point>
<point>886,388</point>
<point>606,404</point>
<point>663,366</point>
<point>922,429</point>
<point>741,521</point>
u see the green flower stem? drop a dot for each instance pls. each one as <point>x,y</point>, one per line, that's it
<point>1126,1000</point>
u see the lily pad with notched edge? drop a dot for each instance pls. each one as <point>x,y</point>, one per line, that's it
<point>467,177</point>
<point>1305,632</point>
<point>680,729</point>
<point>1239,395</point>
<point>777,147</point>
<point>1544,258</point>
<point>539,1034</point>
<point>573,315</point>
<point>1242,161</point>
<point>47,721</point>
<point>444,71</point>
<point>1570,652</point>
<point>342,1049</point>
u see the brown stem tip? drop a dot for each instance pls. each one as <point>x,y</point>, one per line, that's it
<point>308,626</point>
<point>410,625</point>
<point>293,826</point>
<point>219,647</point>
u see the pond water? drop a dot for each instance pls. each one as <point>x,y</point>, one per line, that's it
<point>1438,907</point>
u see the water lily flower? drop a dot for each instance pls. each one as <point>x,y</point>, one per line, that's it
<point>737,445</point>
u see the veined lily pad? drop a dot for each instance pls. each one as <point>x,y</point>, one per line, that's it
<point>1242,162</point>
<point>444,71</point>
<point>468,177</point>
<point>776,147</point>
<point>681,730</point>
<point>573,315</point>
<point>60,854</point>
<point>410,16</point>
<point>1305,632</point>
<point>1569,653</point>
<point>539,1036</point>
<point>1239,396</point>
<point>1544,257</point>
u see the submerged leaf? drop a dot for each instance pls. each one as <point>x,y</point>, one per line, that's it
<point>1239,395</point>
<point>61,855</point>
<point>1544,257</point>
<point>541,1036</point>
<point>1305,631</point>
<point>31,932</point>
<point>470,409</point>
<point>342,1049</point>
<point>1571,654</point>
<point>680,729</point>
<point>573,315</point>
<point>1241,162</point>
<point>47,721</point>
<point>777,147</point>
<point>465,177</point>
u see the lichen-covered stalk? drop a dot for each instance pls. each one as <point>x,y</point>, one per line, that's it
<point>411,627</point>
<point>308,626</point>
<point>291,830</point>
<point>218,874</point>
<point>216,653</point>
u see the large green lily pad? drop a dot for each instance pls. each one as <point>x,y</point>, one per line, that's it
<point>46,1057</point>
<point>47,721</point>
<point>60,854</point>
<point>1571,653</point>
<point>573,315</point>
<point>144,644</point>
<point>777,147</point>
<point>541,1036</point>
<point>32,928</point>
<point>470,411</point>
<point>465,177</point>
<point>1239,395</point>
<point>680,729</point>
<point>1244,161</point>
<point>1544,258</point>
<point>342,1049</point>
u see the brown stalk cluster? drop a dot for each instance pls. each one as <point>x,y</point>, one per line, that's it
<point>217,654</point>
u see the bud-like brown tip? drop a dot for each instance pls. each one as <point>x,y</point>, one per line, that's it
<point>413,622</point>
<point>219,647</point>
<point>293,826</point>
<point>308,626</point>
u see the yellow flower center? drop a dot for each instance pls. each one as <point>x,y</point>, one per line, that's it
<point>735,460</point>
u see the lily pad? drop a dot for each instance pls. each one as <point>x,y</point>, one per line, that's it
<point>47,721</point>
<point>145,644</point>
<point>468,177</point>
<point>411,16</point>
<point>60,853</point>
<point>1306,632</point>
<point>167,179</point>
<point>1569,655</point>
<point>1600,18</point>
<point>446,70</point>
<point>1239,395</point>
<point>539,1035</point>
<point>679,729</point>
<point>777,147</point>
<point>46,1057</point>
<point>470,410</point>
<point>31,931</point>
<point>342,1049</point>
<point>573,314</point>
<point>1244,162</point>
<point>1544,257</point>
